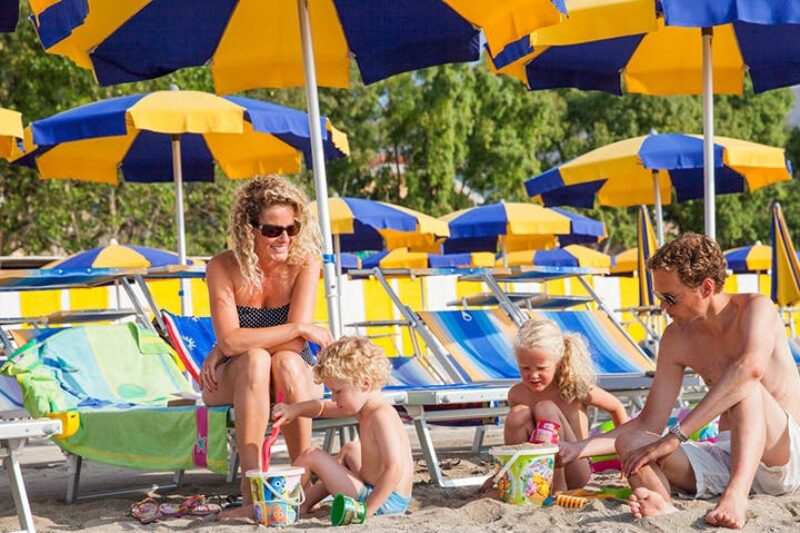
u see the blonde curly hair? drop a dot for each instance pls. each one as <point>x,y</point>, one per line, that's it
<point>575,374</point>
<point>352,360</point>
<point>250,201</point>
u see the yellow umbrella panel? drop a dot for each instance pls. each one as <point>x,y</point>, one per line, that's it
<point>10,132</point>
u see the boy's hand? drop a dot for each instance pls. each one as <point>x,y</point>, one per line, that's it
<point>282,413</point>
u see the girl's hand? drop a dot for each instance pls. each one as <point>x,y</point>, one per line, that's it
<point>316,334</point>
<point>282,413</point>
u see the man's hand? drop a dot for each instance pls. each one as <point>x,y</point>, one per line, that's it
<point>208,373</point>
<point>656,451</point>
<point>568,453</point>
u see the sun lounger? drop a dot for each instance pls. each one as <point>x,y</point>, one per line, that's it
<point>121,379</point>
<point>13,435</point>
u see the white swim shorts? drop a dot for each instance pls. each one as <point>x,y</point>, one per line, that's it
<point>711,464</point>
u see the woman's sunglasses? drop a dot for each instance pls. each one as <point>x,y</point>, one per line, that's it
<point>273,230</point>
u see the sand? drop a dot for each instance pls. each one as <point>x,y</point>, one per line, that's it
<point>432,509</point>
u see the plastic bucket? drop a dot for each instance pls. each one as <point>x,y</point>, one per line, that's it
<point>524,472</point>
<point>277,495</point>
<point>346,510</point>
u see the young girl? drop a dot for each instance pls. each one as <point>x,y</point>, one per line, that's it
<point>557,385</point>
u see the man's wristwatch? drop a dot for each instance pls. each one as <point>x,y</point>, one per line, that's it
<point>675,429</point>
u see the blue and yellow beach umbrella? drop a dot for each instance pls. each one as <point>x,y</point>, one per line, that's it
<point>402,258</point>
<point>512,226</point>
<point>625,173</point>
<point>361,224</point>
<point>754,258</point>
<point>250,44</point>
<point>626,261</point>
<point>9,15</point>
<point>785,263</point>
<point>760,38</point>
<point>573,255</point>
<point>133,135</point>
<point>646,247</point>
<point>11,132</point>
<point>118,256</point>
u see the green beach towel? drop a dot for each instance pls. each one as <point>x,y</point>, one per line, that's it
<point>120,378</point>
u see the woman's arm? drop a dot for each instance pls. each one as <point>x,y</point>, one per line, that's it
<point>231,339</point>
<point>609,403</point>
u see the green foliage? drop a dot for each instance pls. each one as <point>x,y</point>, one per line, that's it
<point>435,140</point>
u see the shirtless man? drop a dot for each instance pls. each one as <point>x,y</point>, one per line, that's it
<point>737,343</point>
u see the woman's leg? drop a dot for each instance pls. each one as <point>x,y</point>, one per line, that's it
<point>292,375</point>
<point>244,381</point>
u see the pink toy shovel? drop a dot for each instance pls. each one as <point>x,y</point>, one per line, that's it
<point>266,446</point>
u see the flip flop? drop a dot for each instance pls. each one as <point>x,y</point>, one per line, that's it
<point>170,510</point>
<point>198,506</point>
<point>146,511</point>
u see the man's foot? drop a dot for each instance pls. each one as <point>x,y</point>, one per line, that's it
<point>245,511</point>
<point>645,502</point>
<point>731,512</point>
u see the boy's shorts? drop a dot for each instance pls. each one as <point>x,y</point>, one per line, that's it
<point>711,465</point>
<point>394,504</point>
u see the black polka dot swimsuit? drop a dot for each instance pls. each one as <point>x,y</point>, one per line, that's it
<point>265,317</point>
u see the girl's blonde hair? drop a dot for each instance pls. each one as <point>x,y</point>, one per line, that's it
<point>250,201</point>
<point>352,360</point>
<point>575,374</point>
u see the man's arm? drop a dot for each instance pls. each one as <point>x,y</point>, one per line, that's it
<point>743,375</point>
<point>663,392</point>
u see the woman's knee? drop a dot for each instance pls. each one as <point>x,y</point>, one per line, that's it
<point>308,457</point>
<point>253,366</point>
<point>289,370</point>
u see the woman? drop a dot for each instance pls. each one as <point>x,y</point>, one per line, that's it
<point>262,296</point>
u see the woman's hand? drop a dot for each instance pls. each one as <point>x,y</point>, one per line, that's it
<point>208,373</point>
<point>316,334</point>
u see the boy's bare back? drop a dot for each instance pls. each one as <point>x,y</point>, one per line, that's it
<point>384,441</point>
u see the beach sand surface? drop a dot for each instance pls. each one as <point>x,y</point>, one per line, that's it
<point>433,508</point>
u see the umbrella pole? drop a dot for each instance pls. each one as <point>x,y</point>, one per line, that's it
<point>337,250</point>
<point>659,211</point>
<point>177,174</point>
<point>320,178</point>
<point>708,134</point>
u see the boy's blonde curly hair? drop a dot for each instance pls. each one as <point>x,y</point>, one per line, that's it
<point>251,200</point>
<point>575,374</point>
<point>352,360</point>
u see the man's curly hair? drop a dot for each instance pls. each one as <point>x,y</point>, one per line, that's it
<point>352,360</point>
<point>694,257</point>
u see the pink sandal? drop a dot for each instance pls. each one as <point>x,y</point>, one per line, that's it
<point>146,511</point>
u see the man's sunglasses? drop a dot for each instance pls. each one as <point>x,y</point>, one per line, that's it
<point>667,298</point>
<point>273,230</point>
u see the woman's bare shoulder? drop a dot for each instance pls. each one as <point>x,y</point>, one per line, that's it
<point>224,262</point>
